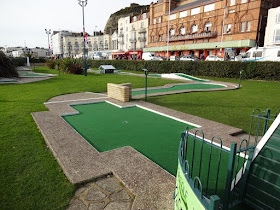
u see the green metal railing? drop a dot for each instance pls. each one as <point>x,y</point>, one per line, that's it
<point>193,152</point>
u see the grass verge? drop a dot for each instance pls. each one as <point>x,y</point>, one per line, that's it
<point>30,177</point>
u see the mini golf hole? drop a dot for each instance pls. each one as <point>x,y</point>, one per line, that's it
<point>124,122</point>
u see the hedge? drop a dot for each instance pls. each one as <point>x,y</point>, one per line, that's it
<point>22,61</point>
<point>223,69</point>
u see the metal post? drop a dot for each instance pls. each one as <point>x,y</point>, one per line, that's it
<point>240,75</point>
<point>146,83</point>
<point>221,48</point>
<point>168,31</point>
<point>83,3</point>
<point>48,32</point>
<point>229,175</point>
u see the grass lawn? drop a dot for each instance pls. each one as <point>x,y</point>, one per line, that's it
<point>30,177</point>
<point>29,174</point>
<point>229,107</point>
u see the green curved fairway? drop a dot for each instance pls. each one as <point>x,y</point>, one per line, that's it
<point>198,86</point>
<point>108,127</point>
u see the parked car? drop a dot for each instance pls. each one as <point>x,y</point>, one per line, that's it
<point>173,58</point>
<point>148,56</point>
<point>188,58</point>
<point>214,58</point>
<point>158,58</point>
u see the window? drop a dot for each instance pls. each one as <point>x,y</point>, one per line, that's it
<point>134,18</point>
<point>144,16</point>
<point>243,1</point>
<point>257,54</point>
<point>194,28</point>
<point>133,27</point>
<point>182,30</point>
<point>209,7</point>
<point>142,25</point>
<point>173,17</point>
<point>152,38</point>
<point>276,37</point>
<point>248,26</point>
<point>160,37</point>
<point>278,54</point>
<point>126,28</point>
<point>242,28</point>
<point>232,2</point>
<point>183,14</point>
<point>159,20</point>
<point>231,11</point>
<point>172,32</point>
<point>126,37</point>
<point>277,18</point>
<point>228,28</point>
<point>195,11</point>
<point>207,26</point>
<point>155,20</point>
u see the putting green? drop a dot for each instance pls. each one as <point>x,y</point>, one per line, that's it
<point>108,127</point>
<point>198,86</point>
<point>154,75</point>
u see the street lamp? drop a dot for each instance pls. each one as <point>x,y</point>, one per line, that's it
<point>168,31</point>
<point>83,3</point>
<point>48,32</point>
<point>146,74</point>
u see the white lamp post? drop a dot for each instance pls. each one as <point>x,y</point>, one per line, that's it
<point>48,32</point>
<point>83,3</point>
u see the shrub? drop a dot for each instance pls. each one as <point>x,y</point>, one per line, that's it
<point>7,67</point>
<point>19,61</point>
<point>51,64</point>
<point>75,69</point>
<point>66,63</point>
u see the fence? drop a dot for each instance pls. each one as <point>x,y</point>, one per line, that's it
<point>201,166</point>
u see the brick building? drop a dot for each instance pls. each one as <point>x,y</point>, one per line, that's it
<point>196,26</point>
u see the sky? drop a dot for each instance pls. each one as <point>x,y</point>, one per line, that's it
<point>23,22</point>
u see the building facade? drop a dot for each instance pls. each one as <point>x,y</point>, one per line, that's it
<point>123,33</point>
<point>207,27</point>
<point>272,31</point>
<point>139,31</point>
<point>57,38</point>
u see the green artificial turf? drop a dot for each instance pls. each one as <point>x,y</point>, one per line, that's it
<point>154,75</point>
<point>108,127</point>
<point>30,177</point>
<point>178,87</point>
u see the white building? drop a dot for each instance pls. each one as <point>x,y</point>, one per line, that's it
<point>272,32</point>
<point>57,41</point>
<point>114,41</point>
<point>124,33</point>
<point>139,31</point>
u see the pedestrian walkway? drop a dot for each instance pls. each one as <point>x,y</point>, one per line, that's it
<point>106,193</point>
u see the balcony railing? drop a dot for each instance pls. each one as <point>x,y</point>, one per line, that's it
<point>133,40</point>
<point>142,39</point>
<point>193,36</point>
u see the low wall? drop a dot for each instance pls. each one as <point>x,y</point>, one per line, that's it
<point>121,92</point>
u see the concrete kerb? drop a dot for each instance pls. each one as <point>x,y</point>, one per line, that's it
<point>81,163</point>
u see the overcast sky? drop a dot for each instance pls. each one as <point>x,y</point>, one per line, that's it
<point>24,21</point>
